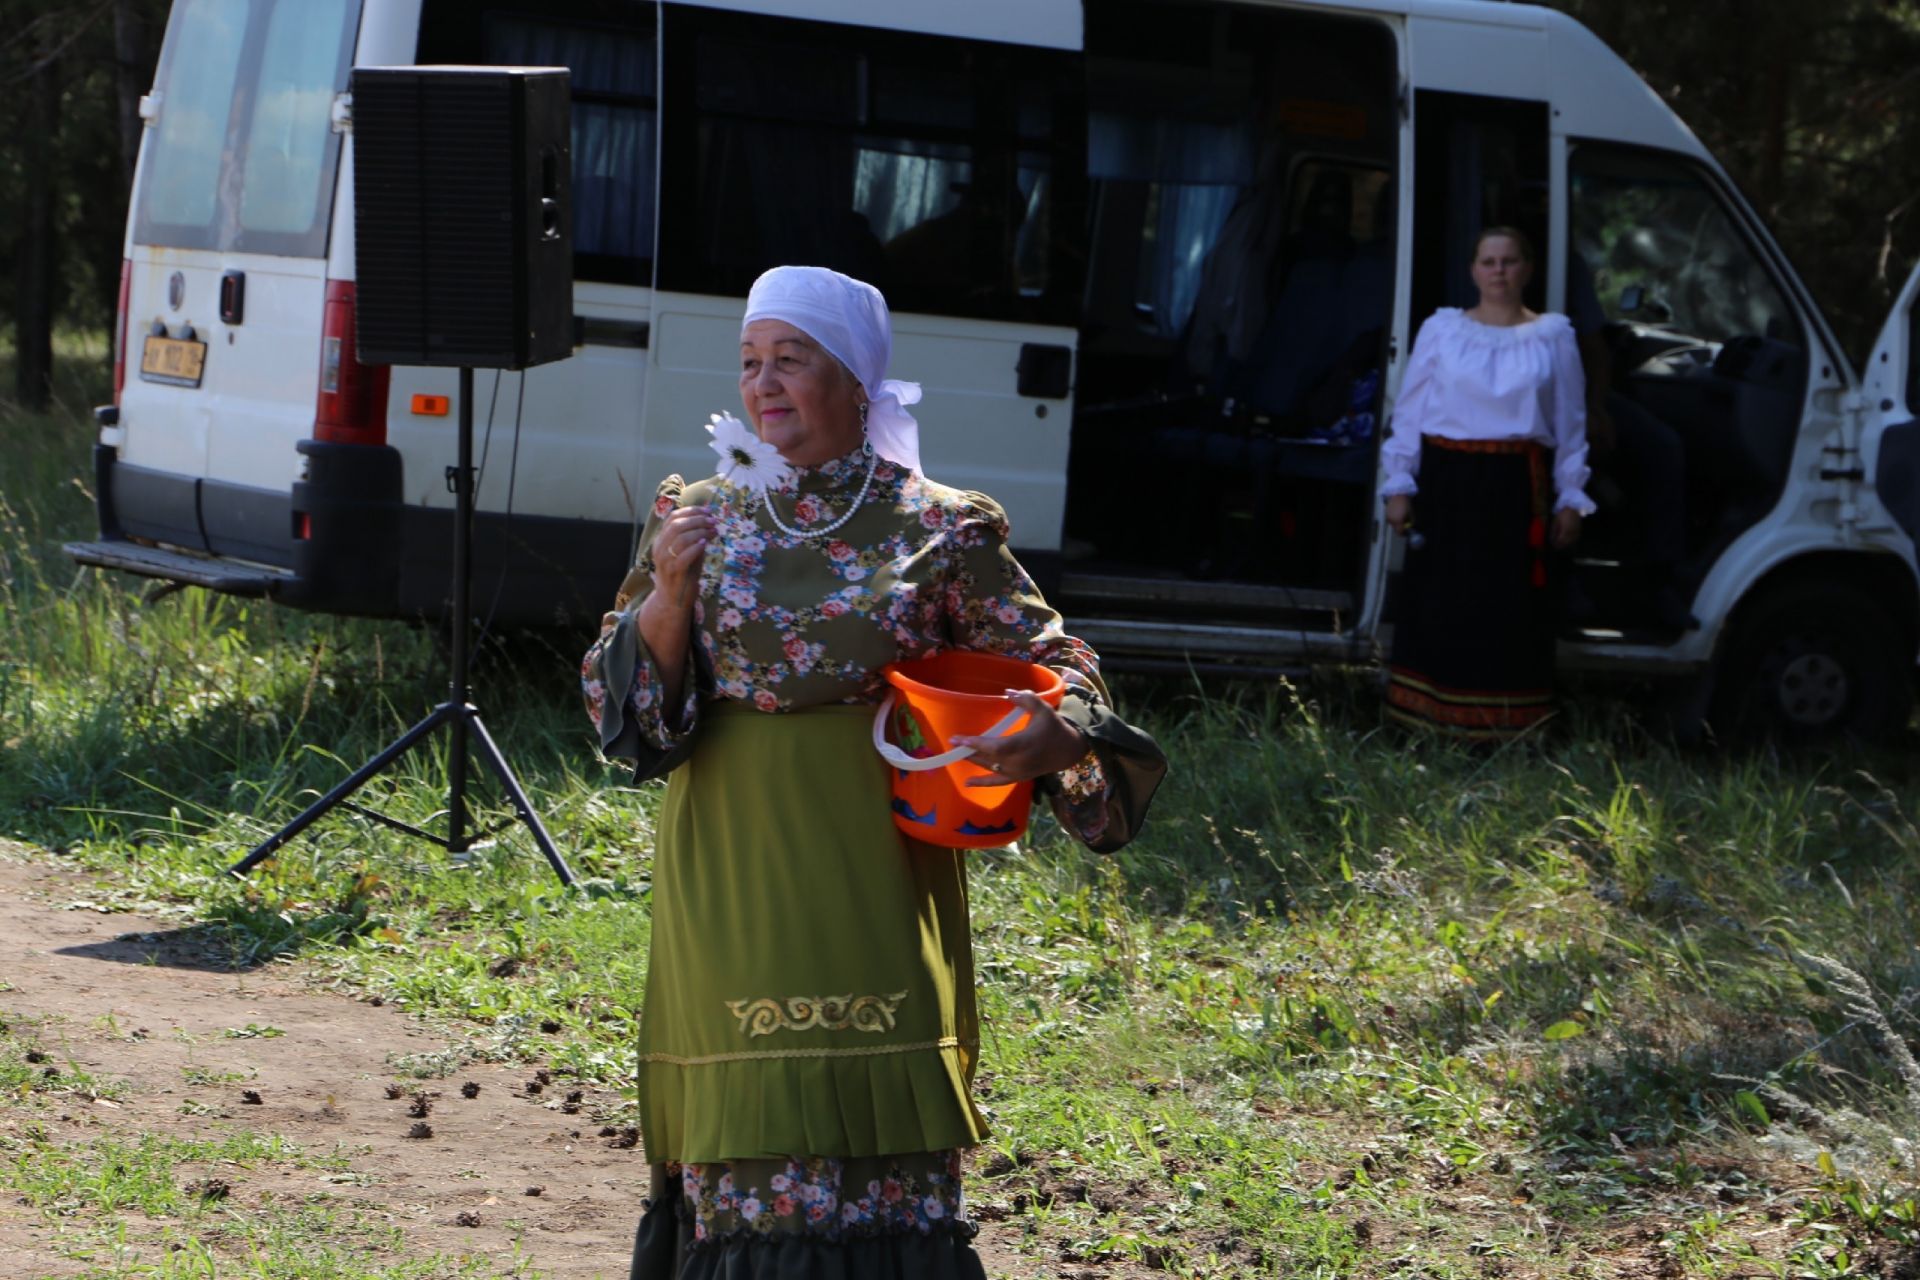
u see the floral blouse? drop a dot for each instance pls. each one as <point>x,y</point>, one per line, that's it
<point>785,622</point>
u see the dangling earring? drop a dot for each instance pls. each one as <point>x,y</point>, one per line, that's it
<point>863,413</point>
<point>866,441</point>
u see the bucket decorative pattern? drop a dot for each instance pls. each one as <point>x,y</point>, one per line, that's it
<point>928,702</point>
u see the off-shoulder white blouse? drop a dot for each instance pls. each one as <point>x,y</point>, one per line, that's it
<point>1472,381</point>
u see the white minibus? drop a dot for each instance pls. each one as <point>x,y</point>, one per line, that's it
<point>1158,264</point>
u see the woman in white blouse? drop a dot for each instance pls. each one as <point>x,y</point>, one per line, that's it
<point>1489,442</point>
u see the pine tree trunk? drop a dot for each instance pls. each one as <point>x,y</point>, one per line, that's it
<point>34,303</point>
<point>129,63</point>
<point>1779,97</point>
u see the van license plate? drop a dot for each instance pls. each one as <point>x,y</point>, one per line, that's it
<point>177,361</point>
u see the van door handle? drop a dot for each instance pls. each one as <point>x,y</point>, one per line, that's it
<point>233,297</point>
<point>1045,370</point>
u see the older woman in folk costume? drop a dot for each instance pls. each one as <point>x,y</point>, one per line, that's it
<point>1490,431</point>
<point>809,1036</point>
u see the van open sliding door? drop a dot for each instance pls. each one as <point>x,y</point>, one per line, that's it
<point>1242,266</point>
<point>914,153</point>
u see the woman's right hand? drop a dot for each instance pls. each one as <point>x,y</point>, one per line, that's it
<point>678,550</point>
<point>664,615</point>
<point>1399,512</point>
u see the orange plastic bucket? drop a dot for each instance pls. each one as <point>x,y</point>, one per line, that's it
<point>930,700</point>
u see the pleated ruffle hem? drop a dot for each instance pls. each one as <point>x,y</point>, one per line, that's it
<point>876,1104</point>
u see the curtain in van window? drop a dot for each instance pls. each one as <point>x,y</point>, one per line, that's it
<point>613,181</point>
<point>1033,245</point>
<point>613,125</point>
<point>1199,170</point>
<point>813,221</point>
<point>895,188</point>
<point>776,178</point>
<point>1189,221</point>
<point>601,60</point>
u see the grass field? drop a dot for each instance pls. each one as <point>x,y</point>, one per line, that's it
<point>1354,1004</point>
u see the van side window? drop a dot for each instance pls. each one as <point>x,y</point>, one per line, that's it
<point>1663,250</point>
<point>243,153</point>
<point>1707,357</point>
<point>928,165</point>
<point>608,46</point>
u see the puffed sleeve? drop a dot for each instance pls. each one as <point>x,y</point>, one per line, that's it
<point>620,680</point>
<point>990,604</point>
<point>1400,454</point>
<point>1570,469</point>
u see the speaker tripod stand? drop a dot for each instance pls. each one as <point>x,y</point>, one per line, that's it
<point>457,714</point>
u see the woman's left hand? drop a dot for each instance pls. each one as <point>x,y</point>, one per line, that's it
<point>1048,744</point>
<point>1566,528</point>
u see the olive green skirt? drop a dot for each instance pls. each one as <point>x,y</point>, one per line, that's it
<point>810,986</point>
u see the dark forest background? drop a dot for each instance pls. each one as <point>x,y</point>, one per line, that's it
<point>1815,110</point>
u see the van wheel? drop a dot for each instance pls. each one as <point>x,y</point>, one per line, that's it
<point>1811,663</point>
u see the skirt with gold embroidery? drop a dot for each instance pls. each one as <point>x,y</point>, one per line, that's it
<point>810,984</point>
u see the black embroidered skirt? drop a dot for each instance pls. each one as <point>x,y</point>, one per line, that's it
<point>1473,620</point>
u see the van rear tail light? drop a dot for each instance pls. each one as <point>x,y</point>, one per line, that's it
<point>352,404</point>
<point>120,329</point>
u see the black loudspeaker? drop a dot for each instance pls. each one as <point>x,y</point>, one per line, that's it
<point>463,215</point>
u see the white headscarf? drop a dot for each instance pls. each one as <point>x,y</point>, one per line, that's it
<point>849,318</point>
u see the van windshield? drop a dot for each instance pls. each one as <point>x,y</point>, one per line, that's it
<point>241,156</point>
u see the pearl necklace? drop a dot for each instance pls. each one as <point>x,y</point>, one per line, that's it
<point>873,464</point>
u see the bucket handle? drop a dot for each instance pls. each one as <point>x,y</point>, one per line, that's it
<point>917,764</point>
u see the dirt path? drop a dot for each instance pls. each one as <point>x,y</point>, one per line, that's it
<point>146,1002</point>
<point>141,1001</point>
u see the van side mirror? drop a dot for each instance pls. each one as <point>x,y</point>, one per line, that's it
<point>1636,298</point>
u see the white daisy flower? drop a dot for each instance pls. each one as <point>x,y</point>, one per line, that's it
<point>746,461</point>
